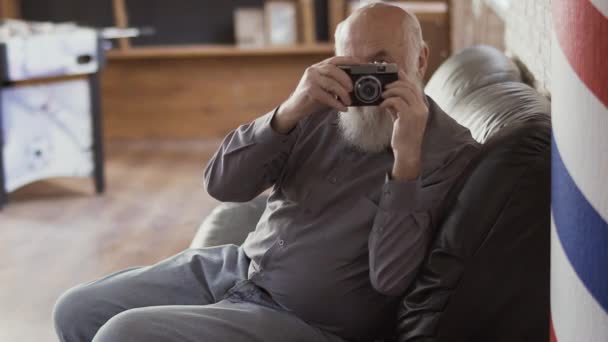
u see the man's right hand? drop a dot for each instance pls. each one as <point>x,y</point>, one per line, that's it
<point>323,86</point>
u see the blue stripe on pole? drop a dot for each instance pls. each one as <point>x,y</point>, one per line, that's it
<point>581,230</point>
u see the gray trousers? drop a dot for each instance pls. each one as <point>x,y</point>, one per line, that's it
<point>199,295</point>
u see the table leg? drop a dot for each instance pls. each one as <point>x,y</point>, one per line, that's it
<point>98,153</point>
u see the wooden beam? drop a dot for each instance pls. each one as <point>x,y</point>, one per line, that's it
<point>10,9</point>
<point>308,21</point>
<point>121,20</point>
<point>337,13</point>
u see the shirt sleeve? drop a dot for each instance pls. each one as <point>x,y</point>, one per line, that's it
<point>403,226</point>
<point>249,160</point>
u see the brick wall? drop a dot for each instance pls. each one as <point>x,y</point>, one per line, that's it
<point>522,28</point>
<point>528,26</point>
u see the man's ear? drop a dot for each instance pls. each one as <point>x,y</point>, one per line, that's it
<point>423,60</point>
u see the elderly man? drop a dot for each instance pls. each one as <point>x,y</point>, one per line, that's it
<point>356,193</point>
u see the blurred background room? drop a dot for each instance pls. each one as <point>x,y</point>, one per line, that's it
<point>110,109</point>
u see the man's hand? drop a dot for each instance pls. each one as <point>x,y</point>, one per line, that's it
<point>405,101</point>
<point>317,90</point>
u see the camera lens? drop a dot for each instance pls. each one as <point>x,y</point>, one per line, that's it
<point>368,89</point>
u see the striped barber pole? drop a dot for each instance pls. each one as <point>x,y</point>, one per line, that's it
<point>579,200</point>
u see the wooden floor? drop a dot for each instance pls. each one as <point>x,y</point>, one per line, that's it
<point>56,234</point>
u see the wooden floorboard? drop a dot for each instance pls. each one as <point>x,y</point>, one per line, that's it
<point>56,234</point>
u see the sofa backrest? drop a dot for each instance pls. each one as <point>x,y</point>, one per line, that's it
<point>467,71</point>
<point>486,277</point>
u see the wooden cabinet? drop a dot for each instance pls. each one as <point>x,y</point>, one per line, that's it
<point>197,92</point>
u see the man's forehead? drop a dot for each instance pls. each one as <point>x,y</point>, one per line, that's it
<point>362,33</point>
<point>375,23</point>
<point>372,39</point>
<point>379,11</point>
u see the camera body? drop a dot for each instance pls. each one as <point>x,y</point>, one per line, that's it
<point>369,81</point>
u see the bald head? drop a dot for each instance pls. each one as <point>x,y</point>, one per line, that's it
<point>380,32</point>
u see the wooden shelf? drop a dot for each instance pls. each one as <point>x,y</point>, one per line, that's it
<point>193,51</point>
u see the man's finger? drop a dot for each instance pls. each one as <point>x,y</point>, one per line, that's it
<point>402,92</point>
<point>396,84</point>
<point>393,104</point>
<point>337,60</point>
<point>332,71</point>
<point>333,87</point>
<point>404,83</point>
<point>402,75</point>
<point>413,88</point>
<point>330,101</point>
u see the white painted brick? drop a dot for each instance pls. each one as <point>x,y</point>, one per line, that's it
<point>539,13</point>
<point>528,26</point>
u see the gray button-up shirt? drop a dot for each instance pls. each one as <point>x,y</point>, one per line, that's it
<point>338,242</point>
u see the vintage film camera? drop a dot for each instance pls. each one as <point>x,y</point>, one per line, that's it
<point>369,81</point>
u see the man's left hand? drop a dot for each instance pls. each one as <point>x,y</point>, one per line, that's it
<point>404,99</point>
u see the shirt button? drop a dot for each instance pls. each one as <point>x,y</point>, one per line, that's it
<point>333,180</point>
<point>281,242</point>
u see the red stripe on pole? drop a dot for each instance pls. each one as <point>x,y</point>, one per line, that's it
<point>552,337</point>
<point>582,31</point>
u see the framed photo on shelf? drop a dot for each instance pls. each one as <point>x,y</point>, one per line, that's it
<point>281,18</point>
<point>249,27</point>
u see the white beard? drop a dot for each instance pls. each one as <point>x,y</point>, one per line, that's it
<point>366,128</point>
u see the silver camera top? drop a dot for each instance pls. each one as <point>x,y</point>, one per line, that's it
<point>370,68</point>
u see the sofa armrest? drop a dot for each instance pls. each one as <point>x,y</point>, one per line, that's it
<point>229,223</point>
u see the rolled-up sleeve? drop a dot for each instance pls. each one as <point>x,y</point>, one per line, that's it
<point>404,222</point>
<point>249,160</point>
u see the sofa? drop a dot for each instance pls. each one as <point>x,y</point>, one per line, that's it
<point>486,275</point>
